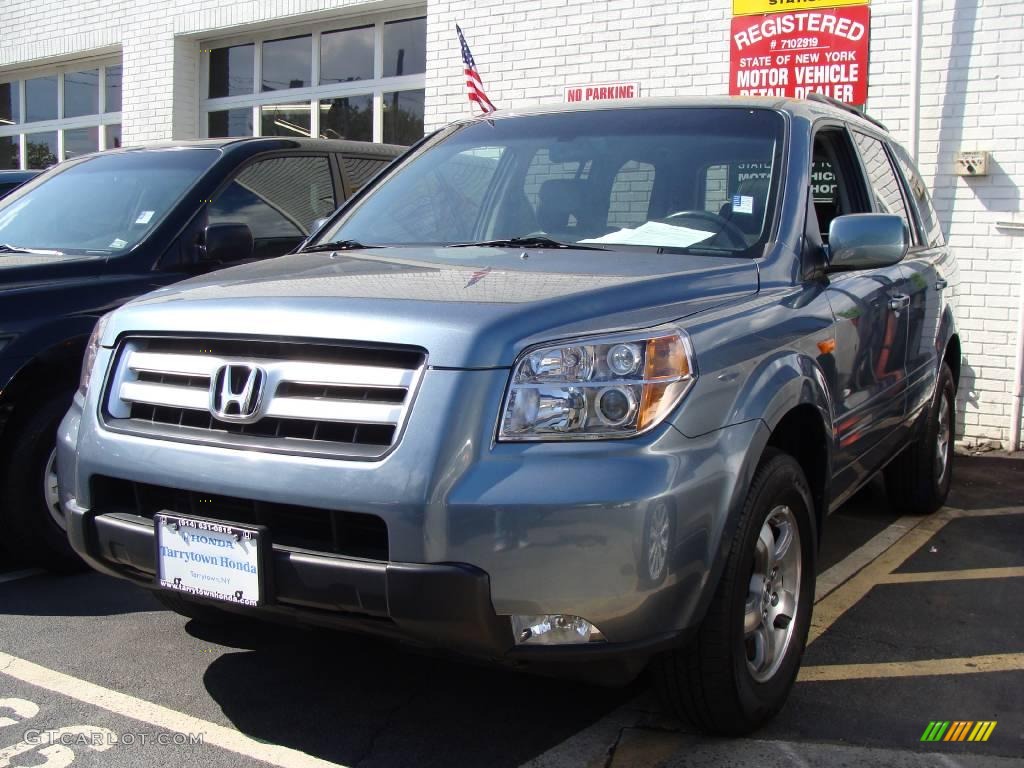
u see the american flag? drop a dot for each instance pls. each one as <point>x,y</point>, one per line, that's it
<point>474,84</point>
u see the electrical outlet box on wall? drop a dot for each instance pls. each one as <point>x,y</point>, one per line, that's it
<point>971,164</point>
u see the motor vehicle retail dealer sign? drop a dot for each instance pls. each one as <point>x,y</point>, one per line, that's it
<point>795,53</point>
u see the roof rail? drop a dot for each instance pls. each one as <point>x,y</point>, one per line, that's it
<point>823,99</point>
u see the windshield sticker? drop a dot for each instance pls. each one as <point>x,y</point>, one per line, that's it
<point>145,217</point>
<point>655,233</point>
<point>742,204</point>
<point>118,243</point>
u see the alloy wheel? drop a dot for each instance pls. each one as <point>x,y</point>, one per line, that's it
<point>774,593</point>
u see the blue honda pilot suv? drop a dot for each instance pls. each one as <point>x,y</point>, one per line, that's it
<point>569,388</point>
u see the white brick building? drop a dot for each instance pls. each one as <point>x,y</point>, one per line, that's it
<point>147,70</point>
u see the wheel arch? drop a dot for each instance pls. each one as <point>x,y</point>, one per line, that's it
<point>792,398</point>
<point>54,369</point>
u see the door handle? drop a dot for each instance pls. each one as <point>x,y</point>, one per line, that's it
<point>898,302</point>
<point>940,284</point>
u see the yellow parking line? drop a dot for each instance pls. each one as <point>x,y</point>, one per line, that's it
<point>992,512</point>
<point>968,665</point>
<point>838,602</point>
<point>965,574</point>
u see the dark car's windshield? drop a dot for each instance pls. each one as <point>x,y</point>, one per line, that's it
<point>649,177</point>
<point>106,203</point>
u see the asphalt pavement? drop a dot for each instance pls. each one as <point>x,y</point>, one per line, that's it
<point>918,620</point>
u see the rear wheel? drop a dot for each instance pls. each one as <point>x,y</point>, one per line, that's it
<point>34,521</point>
<point>918,480</point>
<point>738,670</point>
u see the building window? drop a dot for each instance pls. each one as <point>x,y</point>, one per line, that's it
<point>54,115</point>
<point>362,80</point>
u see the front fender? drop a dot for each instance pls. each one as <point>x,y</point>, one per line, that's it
<point>781,383</point>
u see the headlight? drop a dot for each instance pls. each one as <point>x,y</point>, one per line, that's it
<point>616,386</point>
<point>91,350</point>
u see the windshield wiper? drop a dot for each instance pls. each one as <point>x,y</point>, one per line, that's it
<point>338,245</point>
<point>531,241</point>
<point>8,248</point>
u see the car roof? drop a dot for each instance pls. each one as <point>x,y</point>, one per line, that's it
<point>250,145</point>
<point>18,175</point>
<point>811,108</point>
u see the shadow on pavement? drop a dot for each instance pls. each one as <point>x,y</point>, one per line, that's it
<point>359,701</point>
<point>87,594</point>
<point>987,482</point>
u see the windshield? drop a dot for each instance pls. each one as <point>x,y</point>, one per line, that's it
<point>104,204</point>
<point>665,178</point>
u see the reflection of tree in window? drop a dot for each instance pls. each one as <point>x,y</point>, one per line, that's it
<point>40,154</point>
<point>9,159</point>
<point>403,117</point>
<point>350,117</point>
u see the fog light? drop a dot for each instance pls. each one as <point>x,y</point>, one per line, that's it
<point>554,629</point>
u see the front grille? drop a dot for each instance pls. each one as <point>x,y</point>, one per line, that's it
<point>350,534</point>
<point>317,398</point>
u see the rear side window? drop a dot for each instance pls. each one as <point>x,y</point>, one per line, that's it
<point>919,193</point>
<point>885,186</point>
<point>360,170</point>
<point>278,197</point>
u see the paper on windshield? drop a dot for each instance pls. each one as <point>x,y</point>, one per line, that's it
<point>655,233</point>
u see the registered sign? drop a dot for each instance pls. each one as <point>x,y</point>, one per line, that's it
<point>747,7</point>
<point>793,54</point>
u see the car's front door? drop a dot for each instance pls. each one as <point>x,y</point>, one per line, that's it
<point>868,362</point>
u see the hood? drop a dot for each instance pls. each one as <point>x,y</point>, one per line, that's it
<point>20,270</point>
<point>468,307</point>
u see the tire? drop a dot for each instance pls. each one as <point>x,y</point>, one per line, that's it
<point>918,480</point>
<point>191,609</point>
<point>33,524</point>
<point>726,681</point>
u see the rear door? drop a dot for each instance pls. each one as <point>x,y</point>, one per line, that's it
<point>932,280</point>
<point>867,367</point>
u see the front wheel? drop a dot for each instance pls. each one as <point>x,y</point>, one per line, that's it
<point>33,518</point>
<point>738,670</point>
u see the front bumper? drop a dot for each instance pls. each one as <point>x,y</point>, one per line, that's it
<point>477,531</point>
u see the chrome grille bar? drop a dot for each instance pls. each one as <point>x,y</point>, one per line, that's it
<point>317,397</point>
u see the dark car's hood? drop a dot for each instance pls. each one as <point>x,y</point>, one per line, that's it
<point>18,270</point>
<point>469,307</point>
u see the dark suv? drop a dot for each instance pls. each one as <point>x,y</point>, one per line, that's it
<point>568,386</point>
<point>94,232</point>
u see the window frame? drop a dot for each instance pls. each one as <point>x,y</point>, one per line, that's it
<point>100,120</point>
<point>309,97</point>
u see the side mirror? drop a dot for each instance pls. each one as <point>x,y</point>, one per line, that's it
<point>866,241</point>
<point>226,243</point>
<point>318,224</point>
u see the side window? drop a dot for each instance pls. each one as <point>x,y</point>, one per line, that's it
<point>885,186</point>
<point>919,193</point>
<point>278,198</point>
<point>836,184</point>
<point>359,170</point>
<point>631,195</point>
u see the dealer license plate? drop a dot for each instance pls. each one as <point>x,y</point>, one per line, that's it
<point>208,559</point>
